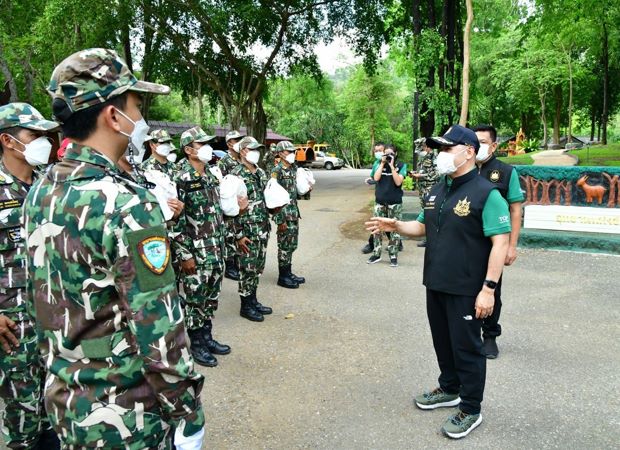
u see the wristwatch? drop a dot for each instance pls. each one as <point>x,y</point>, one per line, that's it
<point>490,284</point>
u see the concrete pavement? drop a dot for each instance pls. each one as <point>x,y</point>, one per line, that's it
<point>554,158</point>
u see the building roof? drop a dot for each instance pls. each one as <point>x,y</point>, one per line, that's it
<point>176,128</point>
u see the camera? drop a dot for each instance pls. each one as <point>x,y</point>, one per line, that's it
<point>389,159</point>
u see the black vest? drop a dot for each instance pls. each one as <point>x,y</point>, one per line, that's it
<point>498,173</point>
<point>386,192</point>
<point>457,251</point>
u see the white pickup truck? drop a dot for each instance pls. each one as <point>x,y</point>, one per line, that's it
<point>326,161</point>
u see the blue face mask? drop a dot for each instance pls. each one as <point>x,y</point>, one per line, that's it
<point>378,155</point>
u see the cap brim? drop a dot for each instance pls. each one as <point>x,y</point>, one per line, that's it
<point>153,88</point>
<point>40,125</point>
<point>254,145</point>
<point>439,141</point>
<point>205,139</point>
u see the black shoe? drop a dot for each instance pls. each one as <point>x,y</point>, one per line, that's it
<point>258,306</point>
<point>199,350</point>
<point>366,249</point>
<point>422,244</point>
<point>373,259</point>
<point>400,246</point>
<point>285,279</point>
<point>213,346</point>
<point>249,311</point>
<point>490,348</point>
<point>232,271</point>
<point>300,280</point>
<point>393,261</point>
<point>48,441</point>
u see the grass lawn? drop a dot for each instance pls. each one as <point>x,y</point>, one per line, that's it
<point>598,155</point>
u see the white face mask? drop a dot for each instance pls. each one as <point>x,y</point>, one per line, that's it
<point>290,158</point>
<point>253,156</point>
<point>205,154</point>
<point>172,157</point>
<point>445,162</point>
<point>163,149</point>
<point>137,136</point>
<point>236,147</point>
<point>483,152</point>
<point>36,152</point>
<point>378,155</point>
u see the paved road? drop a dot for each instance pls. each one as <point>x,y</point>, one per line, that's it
<point>341,373</point>
<point>554,158</point>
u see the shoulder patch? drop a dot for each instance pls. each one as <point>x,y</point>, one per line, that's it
<point>150,253</point>
<point>5,179</point>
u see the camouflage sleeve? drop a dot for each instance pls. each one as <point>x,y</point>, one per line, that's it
<point>181,242</point>
<point>431,172</point>
<point>280,216</point>
<point>144,278</point>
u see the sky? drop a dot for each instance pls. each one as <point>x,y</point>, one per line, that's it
<point>335,55</point>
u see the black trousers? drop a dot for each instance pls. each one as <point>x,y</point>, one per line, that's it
<point>458,346</point>
<point>490,325</point>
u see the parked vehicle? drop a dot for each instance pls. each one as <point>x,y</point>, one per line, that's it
<point>327,161</point>
<point>312,154</point>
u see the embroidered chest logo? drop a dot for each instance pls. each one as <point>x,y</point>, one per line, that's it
<point>155,253</point>
<point>462,208</point>
<point>495,176</point>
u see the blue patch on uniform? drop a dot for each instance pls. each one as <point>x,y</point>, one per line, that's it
<point>155,253</point>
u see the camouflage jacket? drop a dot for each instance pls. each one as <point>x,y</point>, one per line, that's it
<point>12,245</point>
<point>287,178</point>
<point>257,213</point>
<point>201,224</point>
<point>108,316</point>
<point>426,165</point>
<point>169,168</point>
<point>227,164</point>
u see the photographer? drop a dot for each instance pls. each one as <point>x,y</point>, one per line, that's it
<point>389,175</point>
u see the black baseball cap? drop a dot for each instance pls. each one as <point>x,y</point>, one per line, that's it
<point>456,135</point>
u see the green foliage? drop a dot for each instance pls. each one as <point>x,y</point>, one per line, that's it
<point>408,184</point>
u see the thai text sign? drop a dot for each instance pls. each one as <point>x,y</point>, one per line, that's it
<point>572,218</point>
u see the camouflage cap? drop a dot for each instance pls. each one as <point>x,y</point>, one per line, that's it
<point>195,134</point>
<point>285,146</point>
<point>25,116</point>
<point>250,142</point>
<point>93,76</point>
<point>160,136</point>
<point>234,134</point>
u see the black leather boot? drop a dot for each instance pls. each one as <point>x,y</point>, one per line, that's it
<point>199,350</point>
<point>285,279</point>
<point>48,441</point>
<point>232,271</point>
<point>248,310</point>
<point>265,310</point>
<point>213,346</point>
<point>300,280</point>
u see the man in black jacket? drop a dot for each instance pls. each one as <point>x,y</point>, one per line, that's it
<point>467,226</point>
<point>506,180</point>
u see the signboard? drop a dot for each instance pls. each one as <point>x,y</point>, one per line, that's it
<point>572,218</point>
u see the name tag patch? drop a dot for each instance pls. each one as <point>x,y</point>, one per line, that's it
<point>8,204</point>
<point>194,186</point>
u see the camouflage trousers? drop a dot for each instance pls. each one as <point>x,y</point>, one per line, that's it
<point>287,243</point>
<point>230,243</point>
<point>423,192</point>
<point>201,291</point>
<point>252,264</point>
<point>393,212</point>
<point>21,387</point>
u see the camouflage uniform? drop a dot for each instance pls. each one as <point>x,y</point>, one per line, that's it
<point>108,315</point>
<point>199,234</point>
<point>253,224</point>
<point>227,165</point>
<point>426,165</point>
<point>269,159</point>
<point>21,372</point>
<point>289,214</point>
<point>169,168</point>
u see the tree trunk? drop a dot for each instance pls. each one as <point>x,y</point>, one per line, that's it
<point>543,118</point>
<point>569,136</point>
<point>465,102</point>
<point>199,98</point>
<point>8,76</point>
<point>557,92</point>
<point>415,119</point>
<point>605,113</point>
<point>592,124</point>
